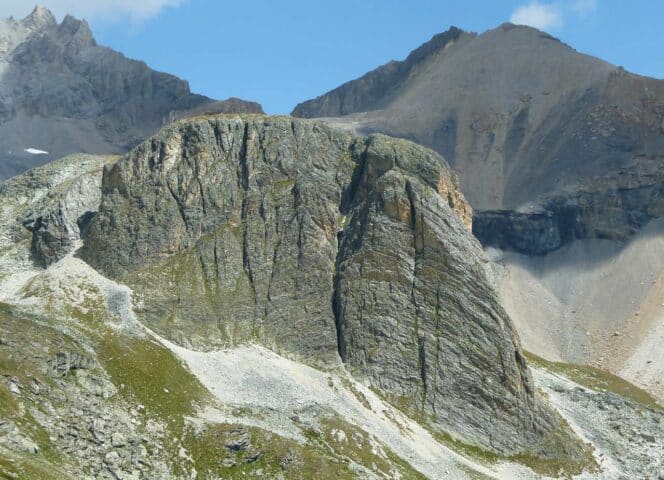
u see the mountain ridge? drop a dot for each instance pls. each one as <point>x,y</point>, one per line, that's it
<point>94,100</point>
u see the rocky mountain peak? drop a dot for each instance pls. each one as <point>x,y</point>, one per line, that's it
<point>40,18</point>
<point>76,33</point>
<point>61,93</point>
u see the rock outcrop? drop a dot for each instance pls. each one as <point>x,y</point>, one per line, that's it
<point>322,245</point>
<point>60,199</point>
<point>612,207</point>
<point>62,93</point>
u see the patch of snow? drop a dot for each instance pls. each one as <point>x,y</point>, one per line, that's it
<point>35,151</point>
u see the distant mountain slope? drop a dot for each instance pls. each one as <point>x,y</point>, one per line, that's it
<point>518,114</point>
<point>62,93</point>
<point>596,302</point>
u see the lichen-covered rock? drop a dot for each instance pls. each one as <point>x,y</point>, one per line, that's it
<point>320,244</point>
<point>416,316</point>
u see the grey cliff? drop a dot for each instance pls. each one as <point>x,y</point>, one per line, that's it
<point>324,246</point>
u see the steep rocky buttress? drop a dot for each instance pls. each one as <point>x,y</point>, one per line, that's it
<point>326,247</point>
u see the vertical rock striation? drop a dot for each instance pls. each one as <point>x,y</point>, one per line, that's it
<point>325,246</point>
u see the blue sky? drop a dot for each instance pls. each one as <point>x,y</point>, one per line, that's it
<point>283,52</point>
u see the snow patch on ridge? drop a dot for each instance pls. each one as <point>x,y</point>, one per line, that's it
<point>35,151</point>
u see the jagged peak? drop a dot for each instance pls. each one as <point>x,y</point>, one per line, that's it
<point>41,17</point>
<point>437,42</point>
<point>79,29</point>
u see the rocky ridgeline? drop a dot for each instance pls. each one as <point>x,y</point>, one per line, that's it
<point>326,246</point>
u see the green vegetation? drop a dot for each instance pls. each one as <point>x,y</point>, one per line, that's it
<point>354,443</point>
<point>335,450</point>
<point>284,184</point>
<point>573,458</point>
<point>21,364</point>
<point>277,456</point>
<point>596,379</point>
<point>148,374</point>
<point>29,467</point>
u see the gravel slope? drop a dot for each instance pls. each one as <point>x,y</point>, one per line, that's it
<point>594,302</point>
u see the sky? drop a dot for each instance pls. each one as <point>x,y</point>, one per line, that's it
<point>281,52</point>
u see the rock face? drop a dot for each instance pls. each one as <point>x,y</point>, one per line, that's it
<point>61,93</point>
<point>525,121</point>
<point>64,195</point>
<point>611,207</point>
<point>323,245</point>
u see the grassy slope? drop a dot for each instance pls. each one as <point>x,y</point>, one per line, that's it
<point>596,379</point>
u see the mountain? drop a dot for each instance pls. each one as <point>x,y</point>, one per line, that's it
<point>244,296</point>
<point>61,93</point>
<point>270,296</point>
<point>532,128</point>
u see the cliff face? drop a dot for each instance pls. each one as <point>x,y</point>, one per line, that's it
<point>526,122</point>
<point>61,93</point>
<point>613,206</point>
<point>326,246</point>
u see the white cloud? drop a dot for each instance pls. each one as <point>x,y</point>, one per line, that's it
<point>584,7</point>
<point>135,11</point>
<point>539,15</point>
<point>550,16</point>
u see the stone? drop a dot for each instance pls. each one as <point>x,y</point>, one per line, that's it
<point>118,440</point>
<point>112,458</point>
<point>65,362</point>
<point>14,387</point>
<point>252,456</point>
<point>35,386</point>
<point>239,441</point>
